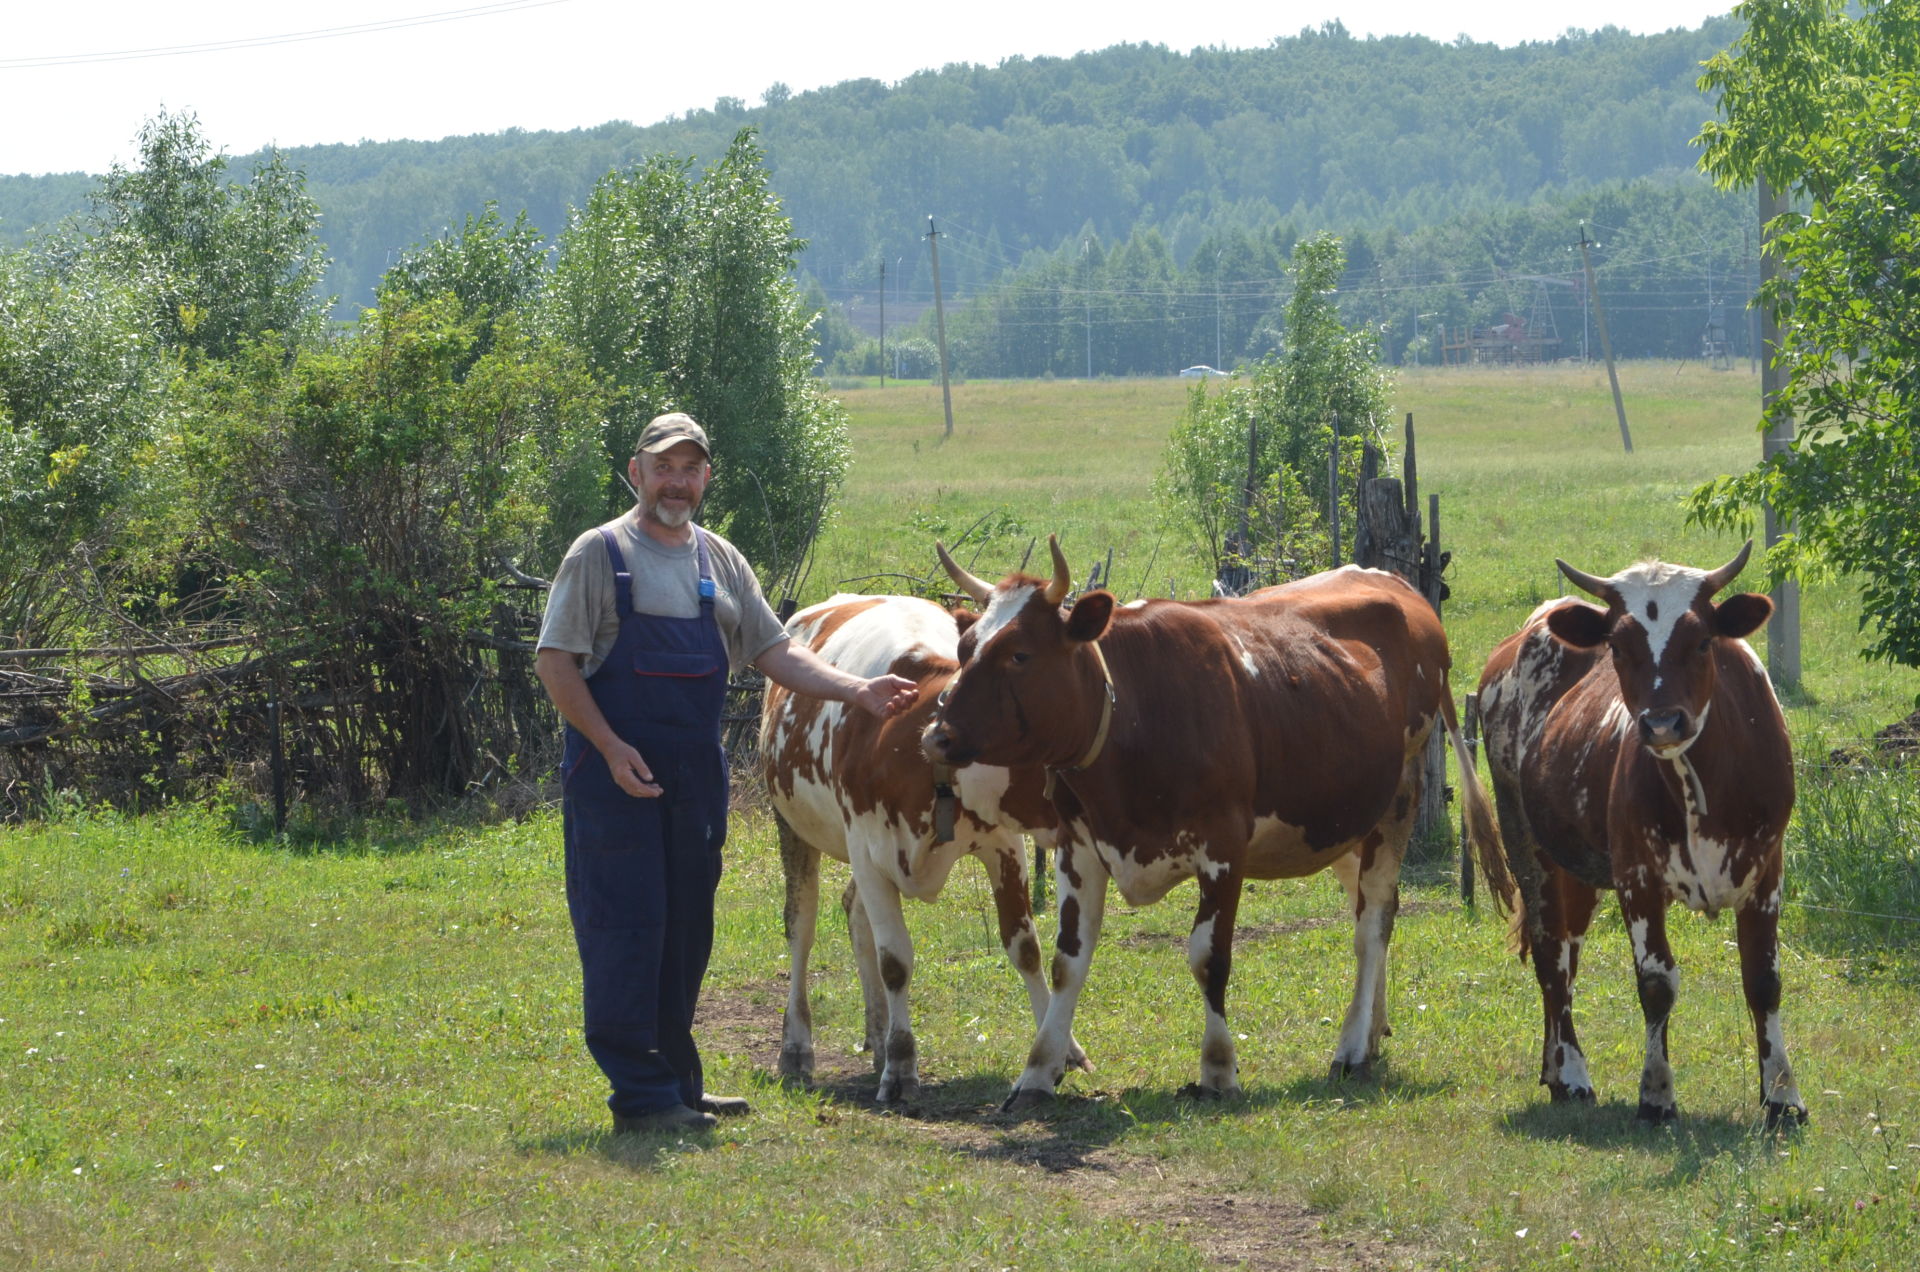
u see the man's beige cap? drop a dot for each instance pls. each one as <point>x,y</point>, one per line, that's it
<point>669,430</point>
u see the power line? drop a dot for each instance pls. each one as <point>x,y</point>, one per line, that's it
<point>262,41</point>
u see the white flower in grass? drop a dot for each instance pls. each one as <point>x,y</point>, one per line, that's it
<point>219,1167</point>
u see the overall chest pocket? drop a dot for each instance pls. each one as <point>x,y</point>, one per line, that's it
<point>682,688</point>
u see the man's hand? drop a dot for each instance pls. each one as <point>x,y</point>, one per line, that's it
<point>797,668</point>
<point>886,696</point>
<point>630,772</point>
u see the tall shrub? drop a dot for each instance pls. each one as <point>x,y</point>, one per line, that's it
<point>82,390</point>
<point>679,289</point>
<point>367,504</point>
<point>222,262</point>
<point>1246,468</point>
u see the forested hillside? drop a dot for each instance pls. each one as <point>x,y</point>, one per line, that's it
<point>1188,154</point>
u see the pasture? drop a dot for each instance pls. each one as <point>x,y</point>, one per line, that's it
<point>218,1049</point>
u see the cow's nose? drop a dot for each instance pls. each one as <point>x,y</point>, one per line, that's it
<point>934,742</point>
<point>1663,727</point>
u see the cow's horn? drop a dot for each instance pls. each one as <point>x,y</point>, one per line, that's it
<point>1592,584</point>
<point>966,582</point>
<point>1725,574</point>
<point>1062,576</point>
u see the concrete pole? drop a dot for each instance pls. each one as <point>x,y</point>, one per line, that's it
<point>940,324</point>
<point>1606,345</point>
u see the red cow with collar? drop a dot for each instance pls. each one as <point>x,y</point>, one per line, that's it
<point>1266,737</point>
<point>859,789</point>
<point>1640,748</point>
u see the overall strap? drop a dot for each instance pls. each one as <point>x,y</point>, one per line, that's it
<point>622,577</point>
<point>706,569</point>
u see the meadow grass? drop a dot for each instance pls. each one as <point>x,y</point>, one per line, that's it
<point>1527,462</point>
<point>360,1048</point>
<point>218,1052</point>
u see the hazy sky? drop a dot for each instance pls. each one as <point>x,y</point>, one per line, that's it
<point>77,77</point>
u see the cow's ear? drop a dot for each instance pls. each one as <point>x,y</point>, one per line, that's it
<point>963,618</point>
<point>1090,615</point>
<point>1582,626</point>
<point>1741,615</point>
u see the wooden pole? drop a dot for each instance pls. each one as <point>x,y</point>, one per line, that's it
<point>1606,345</point>
<point>278,762</point>
<point>1470,734</point>
<point>1410,475</point>
<point>1783,629</point>
<point>1333,489</point>
<point>1433,792</point>
<point>883,324</point>
<point>940,324</point>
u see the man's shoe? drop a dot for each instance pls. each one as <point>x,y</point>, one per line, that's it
<point>724,1105</point>
<point>673,1119</point>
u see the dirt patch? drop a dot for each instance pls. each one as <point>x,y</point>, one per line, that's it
<point>743,1021</point>
<point>1259,1233</point>
<point>1232,1228</point>
<point>1898,743</point>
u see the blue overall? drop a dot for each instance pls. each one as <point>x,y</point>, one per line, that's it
<point>642,873</point>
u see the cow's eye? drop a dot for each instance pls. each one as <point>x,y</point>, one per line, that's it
<point>1020,656</point>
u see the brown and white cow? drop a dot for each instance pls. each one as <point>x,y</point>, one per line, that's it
<point>1223,740</point>
<point>860,789</point>
<point>1640,748</point>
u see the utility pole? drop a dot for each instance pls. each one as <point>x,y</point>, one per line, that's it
<point>1606,345</point>
<point>1086,301</point>
<point>1217,286</point>
<point>1380,286</point>
<point>883,324</point>
<point>940,324</point>
<point>1783,629</point>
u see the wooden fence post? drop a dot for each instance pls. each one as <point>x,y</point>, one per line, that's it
<point>1470,734</point>
<point>1389,538</point>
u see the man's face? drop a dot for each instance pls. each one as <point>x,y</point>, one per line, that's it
<point>671,483</point>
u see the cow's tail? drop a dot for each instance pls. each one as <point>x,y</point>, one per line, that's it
<point>1483,832</point>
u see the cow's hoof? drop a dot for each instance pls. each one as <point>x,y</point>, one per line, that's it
<point>796,1065</point>
<point>1194,1091</point>
<point>1570,1095</point>
<point>1656,1114</point>
<point>897,1091</point>
<point>1788,1116</point>
<point>1077,1059</point>
<point>1026,1100</point>
<point>1344,1070</point>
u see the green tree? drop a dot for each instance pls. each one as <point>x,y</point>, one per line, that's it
<point>496,272</point>
<point>679,289</point>
<point>366,505</point>
<point>83,388</point>
<point>1246,468</point>
<point>1827,106</point>
<point>222,263</point>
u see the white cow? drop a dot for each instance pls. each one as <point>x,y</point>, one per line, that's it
<point>860,790</point>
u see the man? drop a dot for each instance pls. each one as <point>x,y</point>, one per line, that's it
<point>646,616</point>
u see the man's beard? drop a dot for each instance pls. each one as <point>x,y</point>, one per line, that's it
<point>672,518</point>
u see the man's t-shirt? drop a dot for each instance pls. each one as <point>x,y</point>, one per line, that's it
<point>581,617</point>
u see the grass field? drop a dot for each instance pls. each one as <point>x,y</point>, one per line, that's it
<point>221,1051</point>
<point>1527,463</point>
